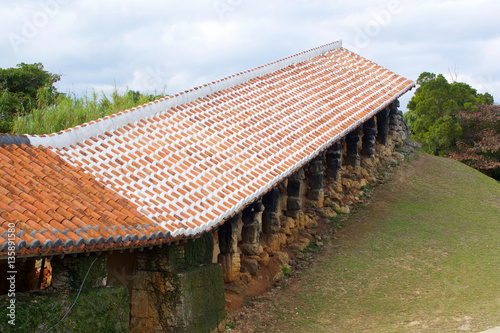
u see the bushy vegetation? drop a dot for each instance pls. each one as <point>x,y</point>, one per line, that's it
<point>96,310</point>
<point>452,119</point>
<point>68,110</point>
<point>479,146</point>
<point>19,89</point>
<point>30,104</point>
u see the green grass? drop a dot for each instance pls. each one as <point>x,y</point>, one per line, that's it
<point>96,310</point>
<point>338,222</point>
<point>70,110</point>
<point>311,247</point>
<point>287,272</point>
<point>424,256</point>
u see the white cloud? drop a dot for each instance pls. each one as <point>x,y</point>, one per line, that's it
<point>97,44</point>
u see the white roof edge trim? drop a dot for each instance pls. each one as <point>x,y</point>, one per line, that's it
<point>111,123</point>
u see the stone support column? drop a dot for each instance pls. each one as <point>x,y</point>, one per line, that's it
<point>270,220</point>
<point>352,140</point>
<point>252,222</point>
<point>171,284</point>
<point>394,118</point>
<point>60,272</point>
<point>383,125</point>
<point>369,136</point>
<point>229,258</point>
<point>315,180</point>
<point>294,191</point>
<point>333,159</point>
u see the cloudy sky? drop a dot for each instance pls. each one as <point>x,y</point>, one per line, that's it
<point>166,45</point>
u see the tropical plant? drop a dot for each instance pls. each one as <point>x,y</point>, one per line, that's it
<point>433,110</point>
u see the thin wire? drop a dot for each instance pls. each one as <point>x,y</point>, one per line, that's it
<point>76,299</point>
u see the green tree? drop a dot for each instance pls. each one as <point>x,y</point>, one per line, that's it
<point>20,90</point>
<point>432,115</point>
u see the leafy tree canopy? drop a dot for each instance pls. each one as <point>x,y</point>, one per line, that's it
<point>432,115</point>
<point>20,88</point>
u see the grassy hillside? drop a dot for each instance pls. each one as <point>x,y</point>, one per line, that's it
<point>424,256</point>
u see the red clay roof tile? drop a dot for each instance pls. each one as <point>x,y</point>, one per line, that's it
<point>197,161</point>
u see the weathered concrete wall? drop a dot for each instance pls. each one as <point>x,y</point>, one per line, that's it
<point>178,289</point>
<point>202,299</point>
<point>178,301</point>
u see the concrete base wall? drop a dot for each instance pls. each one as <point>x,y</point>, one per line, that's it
<point>189,301</point>
<point>176,288</point>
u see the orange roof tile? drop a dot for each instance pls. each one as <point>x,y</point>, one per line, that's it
<point>52,217</point>
<point>183,164</point>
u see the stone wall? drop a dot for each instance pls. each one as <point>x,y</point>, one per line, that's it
<point>329,184</point>
<point>178,301</point>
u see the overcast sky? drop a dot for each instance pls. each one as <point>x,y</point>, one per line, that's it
<point>154,45</point>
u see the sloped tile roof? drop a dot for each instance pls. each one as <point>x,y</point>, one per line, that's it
<point>57,207</point>
<point>189,161</point>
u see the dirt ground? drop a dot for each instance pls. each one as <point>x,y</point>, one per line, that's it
<point>265,281</point>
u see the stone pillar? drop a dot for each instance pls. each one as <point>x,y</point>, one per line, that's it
<point>352,140</point>
<point>333,159</point>
<point>229,258</point>
<point>383,125</point>
<point>394,118</point>
<point>271,222</point>
<point>294,191</point>
<point>369,136</point>
<point>270,219</point>
<point>315,180</point>
<point>252,222</point>
<point>61,279</point>
<point>144,317</point>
